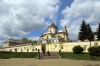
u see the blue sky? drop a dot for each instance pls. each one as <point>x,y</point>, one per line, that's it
<point>30,18</point>
<point>59,16</point>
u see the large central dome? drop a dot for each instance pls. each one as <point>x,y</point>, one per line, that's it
<point>53,26</point>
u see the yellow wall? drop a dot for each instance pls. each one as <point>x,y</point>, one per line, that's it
<point>85,45</point>
<point>68,46</point>
<point>22,48</point>
<point>52,47</point>
<point>6,44</point>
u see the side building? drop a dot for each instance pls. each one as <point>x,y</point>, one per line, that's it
<point>11,42</point>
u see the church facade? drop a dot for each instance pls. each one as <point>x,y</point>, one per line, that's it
<point>52,32</point>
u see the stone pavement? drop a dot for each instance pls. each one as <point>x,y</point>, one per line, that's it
<point>46,62</point>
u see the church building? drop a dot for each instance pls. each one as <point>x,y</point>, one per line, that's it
<point>52,34</point>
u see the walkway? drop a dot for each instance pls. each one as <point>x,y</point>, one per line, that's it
<point>46,62</point>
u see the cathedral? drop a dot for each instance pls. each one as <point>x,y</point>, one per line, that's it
<point>52,34</point>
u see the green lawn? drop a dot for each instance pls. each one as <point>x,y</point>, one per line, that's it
<point>71,55</point>
<point>18,54</point>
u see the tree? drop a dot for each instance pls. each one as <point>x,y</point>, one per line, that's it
<point>24,40</point>
<point>83,32</point>
<point>89,34</point>
<point>98,32</point>
<point>35,41</point>
<point>32,41</point>
<point>78,49</point>
<point>94,51</point>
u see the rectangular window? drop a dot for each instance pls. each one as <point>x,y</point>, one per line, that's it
<point>15,49</point>
<point>55,46</point>
<point>47,37</point>
<point>10,50</point>
<point>32,49</point>
<point>62,47</point>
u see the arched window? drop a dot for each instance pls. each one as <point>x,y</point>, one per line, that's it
<point>50,30</point>
<point>32,49</point>
<point>10,50</point>
<point>47,37</point>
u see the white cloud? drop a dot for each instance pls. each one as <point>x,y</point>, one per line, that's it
<point>60,30</point>
<point>19,17</point>
<point>34,38</point>
<point>79,10</point>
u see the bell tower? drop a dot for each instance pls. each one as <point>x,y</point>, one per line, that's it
<point>52,28</point>
<point>65,33</point>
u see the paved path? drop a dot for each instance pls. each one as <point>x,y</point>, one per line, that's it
<point>46,62</point>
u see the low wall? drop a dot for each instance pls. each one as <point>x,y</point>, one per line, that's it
<point>52,47</point>
<point>68,46</point>
<point>22,48</point>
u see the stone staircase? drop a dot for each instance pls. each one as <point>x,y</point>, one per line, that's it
<point>53,55</point>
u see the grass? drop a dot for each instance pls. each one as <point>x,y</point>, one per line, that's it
<point>84,56</point>
<point>18,54</point>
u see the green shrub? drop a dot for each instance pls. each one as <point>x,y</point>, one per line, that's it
<point>94,51</point>
<point>78,49</point>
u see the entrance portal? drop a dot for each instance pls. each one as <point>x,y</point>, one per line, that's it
<point>43,48</point>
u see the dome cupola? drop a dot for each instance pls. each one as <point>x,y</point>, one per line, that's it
<point>52,28</point>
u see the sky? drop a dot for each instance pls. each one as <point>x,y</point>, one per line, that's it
<point>30,18</point>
